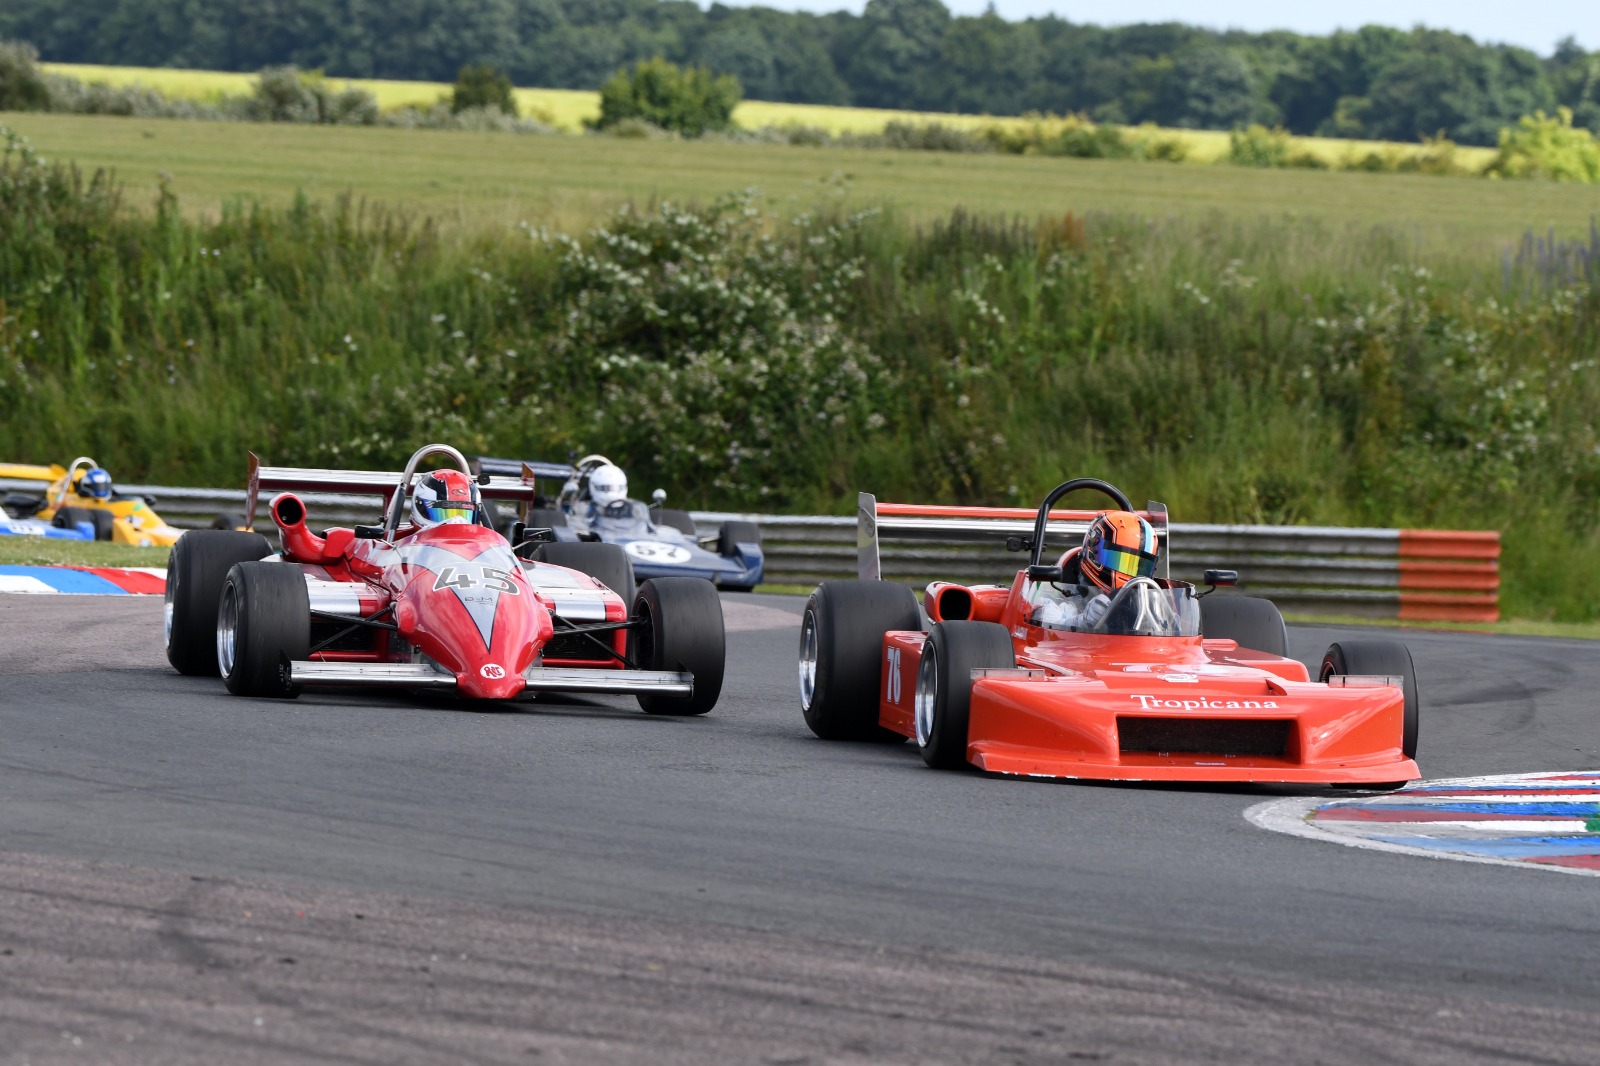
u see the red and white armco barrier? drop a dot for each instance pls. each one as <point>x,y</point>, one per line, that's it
<point>1409,574</point>
<point>1449,576</point>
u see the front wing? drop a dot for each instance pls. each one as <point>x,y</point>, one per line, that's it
<point>1115,726</point>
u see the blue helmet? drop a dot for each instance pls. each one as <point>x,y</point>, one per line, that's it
<point>95,482</point>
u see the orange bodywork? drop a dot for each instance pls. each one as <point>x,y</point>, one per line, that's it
<point>1132,708</point>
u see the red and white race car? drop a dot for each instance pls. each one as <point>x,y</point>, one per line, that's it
<point>1169,684</point>
<point>445,607</point>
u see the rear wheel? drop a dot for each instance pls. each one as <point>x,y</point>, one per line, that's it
<point>546,518</point>
<point>944,685</point>
<point>229,521</point>
<point>263,624</point>
<point>1251,621</point>
<point>678,520</point>
<point>678,626</point>
<point>1385,657</point>
<point>606,563</point>
<point>196,568</point>
<point>841,655</point>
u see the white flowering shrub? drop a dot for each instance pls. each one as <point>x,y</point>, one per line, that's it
<point>712,345</point>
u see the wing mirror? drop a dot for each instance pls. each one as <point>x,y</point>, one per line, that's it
<point>658,497</point>
<point>1019,544</point>
<point>368,532</point>
<point>1045,573</point>
<point>1219,579</point>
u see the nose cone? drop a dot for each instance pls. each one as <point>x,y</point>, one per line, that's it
<point>490,681</point>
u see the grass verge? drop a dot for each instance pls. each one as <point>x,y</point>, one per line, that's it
<point>43,551</point>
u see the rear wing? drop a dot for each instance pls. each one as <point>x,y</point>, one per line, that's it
<point>524,468</point>
<point>1012,527</point>
<point>382,483</point>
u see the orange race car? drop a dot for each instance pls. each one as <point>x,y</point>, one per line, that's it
<point>1156,681</point>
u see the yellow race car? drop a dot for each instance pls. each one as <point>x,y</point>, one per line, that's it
<point>81,492</point>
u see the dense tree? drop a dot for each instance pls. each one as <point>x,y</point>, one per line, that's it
<point>1371,82</point>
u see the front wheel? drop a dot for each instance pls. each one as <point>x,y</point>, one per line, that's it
<point>263,624</point>
<point>732,534</point>
<point>944,685</point>
<point>1383,657</point>
<point>678,627</point>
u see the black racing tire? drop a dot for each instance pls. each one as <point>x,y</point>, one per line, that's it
<point>229,521</point>
<point>263,624</point>
<point>944,685</point>
<point>546,518</point>
<point>196,568</point>
<point>678,520</point>
<point>678,626</point>
<point>103,521</point>
<point>731,534</point>
<point>1376,655</point>
<point>841,655</point>
<point>607,563</point>
<point>1251,621</point>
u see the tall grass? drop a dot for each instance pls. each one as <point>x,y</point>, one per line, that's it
<point>1296,371</point>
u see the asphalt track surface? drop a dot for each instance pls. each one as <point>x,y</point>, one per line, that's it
<point>191,878</point>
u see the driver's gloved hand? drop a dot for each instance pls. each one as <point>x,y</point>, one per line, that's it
<point>1094,610</point>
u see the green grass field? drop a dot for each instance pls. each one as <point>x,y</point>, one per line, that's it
<point>492,179</point>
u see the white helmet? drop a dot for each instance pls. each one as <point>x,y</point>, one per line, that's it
<point>607,485</point>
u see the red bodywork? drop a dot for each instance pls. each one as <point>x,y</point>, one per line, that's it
<point>456,596</point>
<point>1085,705</point>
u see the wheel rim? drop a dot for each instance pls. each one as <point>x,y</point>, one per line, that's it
<point>227,630</point>
<point>927,694</point>
<point>808,660</point>
<point>166,611</point>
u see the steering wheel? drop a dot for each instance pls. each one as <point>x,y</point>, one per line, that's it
<point>1117,496</point>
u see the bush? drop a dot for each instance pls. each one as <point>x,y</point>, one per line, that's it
<point>472,120</point>
<point>686,100</point>
<point>22,86</point>
<point>1547,146</point>
<point>1257,146</point>
<point>287,94</point>
<point>480,86</point>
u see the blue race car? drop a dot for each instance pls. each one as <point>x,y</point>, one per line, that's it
<point>16,510</point>
<point>592,504</point>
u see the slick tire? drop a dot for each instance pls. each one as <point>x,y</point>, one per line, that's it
<point>944,686</point>
<point>678,626</point>
<point>263,624</point>
<point>678,520</point>
<point>104,524</point>
<point>196,568</point>
<point>1379,656</point>
<point>841,655</point>
<point>229,521</point>
<point>1253,622</point>
<point>732,534</point>
<point>606,563</point>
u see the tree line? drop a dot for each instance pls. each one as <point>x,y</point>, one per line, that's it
<point>1375,82</point>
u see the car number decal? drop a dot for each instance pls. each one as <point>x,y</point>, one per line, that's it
<point>462,577</point>
<point>654,551</point>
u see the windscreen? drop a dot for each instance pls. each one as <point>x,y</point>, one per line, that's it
<point>1143,608</point>
<point>1163,528</point>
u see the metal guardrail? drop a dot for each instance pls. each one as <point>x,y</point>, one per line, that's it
<point>1382,573</point>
